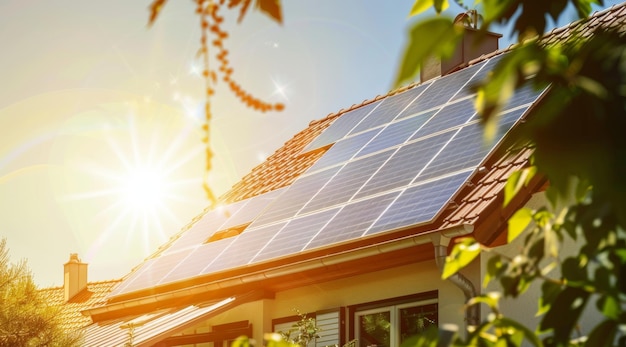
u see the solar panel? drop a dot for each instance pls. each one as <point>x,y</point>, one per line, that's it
<point>244,248</point>
<point>485,68</point>
<point>450,116</point>
<point>349,179</point>
<point>294,198</point>
<point>121,288</point>
<point>526,94</point>
<point>252,209</point>
<point>352,221</point>
<point>197,260</point>
<point>205,227</point>
<point>393,164</point>
<point>341,126</point>
<point>395,133</point>
<point>295,235</point>
<point>419,204</point>
<point>467,149</point>
<point>152,274</point>
<point>440,91</point>
<point>405,165</point>
<point>389,109</point>
<point>343,150</point>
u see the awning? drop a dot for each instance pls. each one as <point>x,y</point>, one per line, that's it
<point>151,328</point>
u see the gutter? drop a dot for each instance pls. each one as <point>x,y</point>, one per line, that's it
<point>441,242</point>
<point>317,263</point>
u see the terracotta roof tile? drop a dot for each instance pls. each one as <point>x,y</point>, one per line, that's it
<point>70,312</point>
<point>487,188</point>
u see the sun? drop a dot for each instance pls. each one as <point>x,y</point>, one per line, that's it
<point>143,189</point>
<point>135,176</point>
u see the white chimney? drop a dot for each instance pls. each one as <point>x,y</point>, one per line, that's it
<point>75,276</point>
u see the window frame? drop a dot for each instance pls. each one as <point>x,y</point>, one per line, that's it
<point>393,306</point>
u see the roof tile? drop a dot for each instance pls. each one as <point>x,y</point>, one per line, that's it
<point>70,312</point>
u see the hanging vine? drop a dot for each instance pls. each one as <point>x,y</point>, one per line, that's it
<point>211,21</point>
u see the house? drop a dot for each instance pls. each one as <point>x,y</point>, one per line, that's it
<point>349,221</point>
<point>76,295</point>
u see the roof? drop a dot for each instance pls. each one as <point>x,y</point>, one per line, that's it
<point>70,312</point>
<point>477,201</point>
<point>148,329</point>
<point>285,165</point>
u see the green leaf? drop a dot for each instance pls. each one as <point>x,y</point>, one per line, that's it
<point>441,5</point>
<point>516,326</point>
<point>428,338</point>
<point>420,6</point>
<point>564,313</point>
<point>583,7</point>
<point>436,37</point>
<point>462,254</point>
<point>497,10</point>
<point>518,222</point>
<point>495,267</point>
<point>602,335</point>
<point>516,181</point>
<point>549,292</point>
<point>609,306</point>
<point>552,194</point>
<point>556,8</point>
<point>573,272</point>
<point>490,299</point>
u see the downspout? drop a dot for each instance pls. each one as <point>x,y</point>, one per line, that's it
<point>440,242</point>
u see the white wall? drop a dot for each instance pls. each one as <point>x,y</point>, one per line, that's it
<point>524,309</point>
<point>385,284</point>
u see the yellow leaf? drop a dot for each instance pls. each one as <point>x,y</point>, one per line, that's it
<point>420,6</point>
<point>518,223</point>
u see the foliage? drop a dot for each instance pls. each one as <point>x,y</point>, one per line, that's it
<point>211,29</point>
<point>577,135</point>
<point>302,332</point>
<point>299,335</point>
<point>25,317</point>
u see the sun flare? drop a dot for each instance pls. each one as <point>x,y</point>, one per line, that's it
<point>141,168</point>
<point>143,189</point>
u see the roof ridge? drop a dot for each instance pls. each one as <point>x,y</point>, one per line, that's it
<point>552,33</point>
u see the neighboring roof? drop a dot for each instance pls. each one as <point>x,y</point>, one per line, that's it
<point>477,202</point>
<point>150,328</point>
<point>70,312</point>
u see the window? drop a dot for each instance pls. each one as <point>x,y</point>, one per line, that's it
<point>330,323</point>
<point>389,322</point>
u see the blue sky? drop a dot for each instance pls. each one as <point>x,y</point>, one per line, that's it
<point>95,104</point>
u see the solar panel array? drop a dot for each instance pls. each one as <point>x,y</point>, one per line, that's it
<point>393,164</point>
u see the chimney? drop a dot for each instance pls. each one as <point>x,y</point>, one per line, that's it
<point>75,276</point>
<point>473,44</point>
